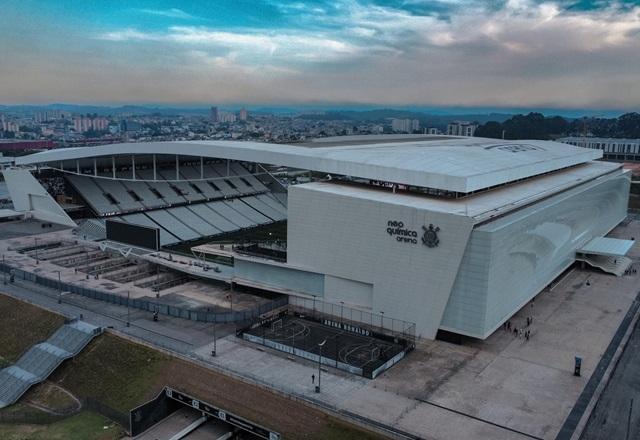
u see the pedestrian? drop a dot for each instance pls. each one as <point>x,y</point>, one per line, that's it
<point>526,335</point>
<point>520,333</point>
<point>313,379</point>
<point>515,332</point>
<point>509,325</point>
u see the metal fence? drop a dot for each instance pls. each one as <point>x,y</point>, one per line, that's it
<point>29,416</point>
<point>344,314</point>
<point>145,304</point>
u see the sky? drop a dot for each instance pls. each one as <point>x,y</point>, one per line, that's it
<point>466,53</point>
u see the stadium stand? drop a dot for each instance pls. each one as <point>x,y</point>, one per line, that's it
<point>93,195</point>
<point>42,359</point>
<point>213,217</point>
<point>229,199</point>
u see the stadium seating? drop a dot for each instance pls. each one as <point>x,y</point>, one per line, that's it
<point>107,196</point>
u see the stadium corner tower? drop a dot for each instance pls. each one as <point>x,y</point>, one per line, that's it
<point>452,234</point>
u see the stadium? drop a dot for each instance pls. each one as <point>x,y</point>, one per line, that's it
<point>447,236</point>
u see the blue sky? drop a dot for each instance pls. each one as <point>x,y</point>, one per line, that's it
<point>511,53</point>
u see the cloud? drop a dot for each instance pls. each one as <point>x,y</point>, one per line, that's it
<point>253,47</point>
<point>447,52</point>
<point>169,13</point>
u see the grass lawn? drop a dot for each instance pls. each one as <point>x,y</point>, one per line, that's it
<point>23,325</point>
<point>113,371</point>
<point>83,426</point>
<point>51,397</point>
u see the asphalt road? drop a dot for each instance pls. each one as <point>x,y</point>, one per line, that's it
<point>609,419</point>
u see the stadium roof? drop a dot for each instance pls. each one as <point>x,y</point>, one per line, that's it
<point>482,206</point>
<point>452,164</point>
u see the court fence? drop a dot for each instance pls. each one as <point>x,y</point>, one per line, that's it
<point>340,315</point>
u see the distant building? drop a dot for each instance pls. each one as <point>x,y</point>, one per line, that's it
<point>623,149</point>
<point>461,128</point>
<point>20,144</point>
<point>226,117</point>
<point>129,126</point>
<point>8,125</point>
<point>244,114</point>
<point>405,125</point>
<point>84,124</point>
<point>433,130</point>
<point>215,116</point>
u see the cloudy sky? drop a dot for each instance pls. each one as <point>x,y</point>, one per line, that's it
<point>511,53</point>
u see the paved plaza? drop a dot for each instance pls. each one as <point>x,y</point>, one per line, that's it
<point>506,387</point>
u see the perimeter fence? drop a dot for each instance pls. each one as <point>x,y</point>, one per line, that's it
<point>145,304</point>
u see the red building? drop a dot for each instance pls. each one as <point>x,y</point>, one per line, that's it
<point>21,144</point>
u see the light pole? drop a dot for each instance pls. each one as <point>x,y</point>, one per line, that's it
<point>321,344</point>
<point>381,320</point>
<point>37,260</point>
<point>4,271</point>
<point>341,308</point>
<point>314,306</point>
<point>215,339</point>
<point>59,288</point>
<point>128,310</point>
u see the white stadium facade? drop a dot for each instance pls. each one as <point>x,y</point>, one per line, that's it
<point>452,234</point>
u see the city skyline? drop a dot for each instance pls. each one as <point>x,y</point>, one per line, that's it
<point>467,53</point>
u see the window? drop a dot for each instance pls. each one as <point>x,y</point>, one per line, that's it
<point>230,183</point>
<point>214,186</point>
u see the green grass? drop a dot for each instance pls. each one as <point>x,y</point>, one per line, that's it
<point>23,325</point>
<point>113,371</point>
<point>52,398</point>
<point>83,426</point>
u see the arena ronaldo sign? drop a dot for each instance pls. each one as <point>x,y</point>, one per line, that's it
<point>397,229</point>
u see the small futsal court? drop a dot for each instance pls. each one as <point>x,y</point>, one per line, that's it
<point>346,346</point>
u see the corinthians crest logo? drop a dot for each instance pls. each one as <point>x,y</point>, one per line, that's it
<point>430,236</point>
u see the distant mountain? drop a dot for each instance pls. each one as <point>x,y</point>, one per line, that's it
<point>105,110</point>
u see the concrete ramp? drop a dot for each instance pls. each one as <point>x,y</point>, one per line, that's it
<point>37,363</point>
<point>613,265</point>
<point>32,200</point>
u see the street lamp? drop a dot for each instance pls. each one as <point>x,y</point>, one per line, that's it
<point>314,306</point>
<point>215,339</point>
<point>59,288</point>
<point>4,271</point>
<point>341,307</point>
<point>321,344</point>
<point>381,320</point>
<point>37,259</point>
<point>128,310</point>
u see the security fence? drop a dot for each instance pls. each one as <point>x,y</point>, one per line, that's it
<point>145,304</point>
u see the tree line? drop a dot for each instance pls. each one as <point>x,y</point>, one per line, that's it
<point>537,126</point>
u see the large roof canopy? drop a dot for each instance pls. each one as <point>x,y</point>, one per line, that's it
<point>447,163</point>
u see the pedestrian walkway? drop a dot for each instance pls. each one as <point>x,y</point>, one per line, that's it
<point>42,359</point>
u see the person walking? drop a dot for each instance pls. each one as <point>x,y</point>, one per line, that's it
<point>313,379</point>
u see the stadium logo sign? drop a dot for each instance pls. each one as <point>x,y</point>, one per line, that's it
<point>515,148</point>
<point>396,229</point>
<point>430,236</point>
